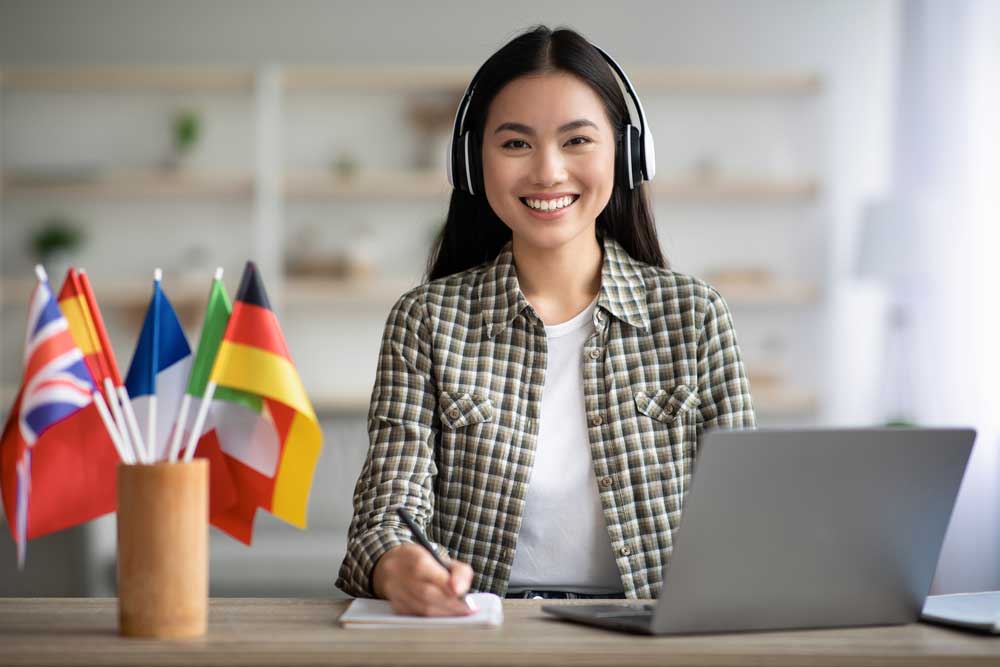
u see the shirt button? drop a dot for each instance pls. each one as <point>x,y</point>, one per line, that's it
<point>625,551</point>
<point>595,353</point>
<point>597,420</point>
<point>600,315</point>
<point>606,482</point>
<point>453,413</point>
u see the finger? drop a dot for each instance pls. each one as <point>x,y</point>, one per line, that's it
<point>436,602</point>
<point>461,577</point>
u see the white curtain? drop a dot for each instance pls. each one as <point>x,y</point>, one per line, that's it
<point>946,177</point>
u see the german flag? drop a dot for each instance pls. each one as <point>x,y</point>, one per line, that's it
<point>274,467</point>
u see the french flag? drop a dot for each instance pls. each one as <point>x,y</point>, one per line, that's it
<point>158,374</point>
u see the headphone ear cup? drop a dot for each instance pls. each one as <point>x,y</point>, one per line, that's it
<point>621,163</point>
<point>629,160</point>
<point>635,154</point>
<point>458,164</point>
<point>478,187</point>
<point>467,171</point>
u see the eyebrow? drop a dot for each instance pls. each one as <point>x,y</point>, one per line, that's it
<point>524,129</point>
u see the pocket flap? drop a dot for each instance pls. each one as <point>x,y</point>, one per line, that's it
<point>663,406</point>
<point>462,408</point>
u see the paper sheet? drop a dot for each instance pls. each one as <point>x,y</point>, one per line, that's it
<point>369,613</point>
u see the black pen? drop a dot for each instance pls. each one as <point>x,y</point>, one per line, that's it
<point>425,543</point>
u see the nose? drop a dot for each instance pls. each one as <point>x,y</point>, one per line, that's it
<point>548,167</point>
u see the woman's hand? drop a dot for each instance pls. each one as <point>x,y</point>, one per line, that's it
<point>416,585</point>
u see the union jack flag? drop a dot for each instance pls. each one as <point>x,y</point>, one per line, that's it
<point>56,384</point>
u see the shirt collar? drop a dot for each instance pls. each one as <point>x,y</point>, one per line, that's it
<point>623,290</point>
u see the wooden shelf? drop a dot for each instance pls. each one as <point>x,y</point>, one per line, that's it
<point>127,78</point>
<point>733,189</point>
<point>318,291</point>
<point>719,81</point>
<point>133,293</point>
<point>775,293</point>
<point>767,401</point>
<point>387,78</point>
<point>400,184</point>
<point>402,78</point>
<point>367,184</point>
<point>376,292</point>
<point>324,185</point>
<point>456,78</point>
<point>783,401</point>
<point>298,291</point>
<point>125,184</point>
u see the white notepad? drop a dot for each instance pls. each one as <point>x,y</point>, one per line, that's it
<point>368,613</point>
<point>977,611</point>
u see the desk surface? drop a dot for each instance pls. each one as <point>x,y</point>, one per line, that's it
<point>269,631</point>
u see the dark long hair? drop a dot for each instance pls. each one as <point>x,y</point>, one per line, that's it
<point>473,233</point>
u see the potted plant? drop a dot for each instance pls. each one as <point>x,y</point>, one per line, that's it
<point>185,130</point>
<point>54,242</point>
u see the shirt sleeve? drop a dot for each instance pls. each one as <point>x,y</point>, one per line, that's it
<point>399,469</point>
<point>722,378</point>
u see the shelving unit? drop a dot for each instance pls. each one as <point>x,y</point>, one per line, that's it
<point>271,188</point>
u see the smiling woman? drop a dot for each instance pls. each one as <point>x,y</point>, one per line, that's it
<point>538,401</point>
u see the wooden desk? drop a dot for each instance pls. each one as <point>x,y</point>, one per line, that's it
<point>83,631</point>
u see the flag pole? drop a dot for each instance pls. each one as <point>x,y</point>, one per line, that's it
<point>199,421</point>
<point>119,418</point>
<point>154,359</point>
<point>109,426</point>
<point>175,439</point>
<point>133,424</point>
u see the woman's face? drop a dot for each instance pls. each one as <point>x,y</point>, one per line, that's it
<point>548,158</point>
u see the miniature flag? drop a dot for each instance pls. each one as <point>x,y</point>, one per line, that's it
<point>83,327</point>
<point>229,414</point>
<point>57,460</point>
<point>158,372</point>
<point>273,461</point>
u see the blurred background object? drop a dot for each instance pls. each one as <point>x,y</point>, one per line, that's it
<point>827,166</point>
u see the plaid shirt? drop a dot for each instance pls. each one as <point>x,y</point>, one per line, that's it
<point>453,421</point>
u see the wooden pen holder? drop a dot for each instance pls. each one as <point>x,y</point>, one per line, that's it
<point>163,549</point>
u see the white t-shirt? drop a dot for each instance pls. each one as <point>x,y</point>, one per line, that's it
<point>563,542</point>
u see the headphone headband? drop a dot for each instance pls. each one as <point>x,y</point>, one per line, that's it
<point>637,142</point>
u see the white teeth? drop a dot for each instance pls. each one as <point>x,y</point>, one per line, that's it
<point>550,204</point>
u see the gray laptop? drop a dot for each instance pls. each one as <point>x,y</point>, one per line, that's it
<point>803,529</point>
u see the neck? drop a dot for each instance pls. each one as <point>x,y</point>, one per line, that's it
<point>567,275</point>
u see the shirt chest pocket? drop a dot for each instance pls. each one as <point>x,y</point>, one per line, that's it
<point>464,408</point>
<point>667,406</point>
<point>469,421</point>
<point>668,425</point>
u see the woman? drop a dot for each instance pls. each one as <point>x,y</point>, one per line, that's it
<point>538,401</point>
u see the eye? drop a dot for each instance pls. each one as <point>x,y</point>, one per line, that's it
<point>509,143</point>
<point>579,141</point>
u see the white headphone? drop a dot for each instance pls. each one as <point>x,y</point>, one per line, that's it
<point>638,160</point>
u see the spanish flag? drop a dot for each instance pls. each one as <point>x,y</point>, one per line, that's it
<point>79,307</point>
<point>274,468</point>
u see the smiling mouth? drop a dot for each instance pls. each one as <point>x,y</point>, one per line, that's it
<point>549,205</point>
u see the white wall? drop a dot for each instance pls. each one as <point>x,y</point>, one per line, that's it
<point>850,43</point>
